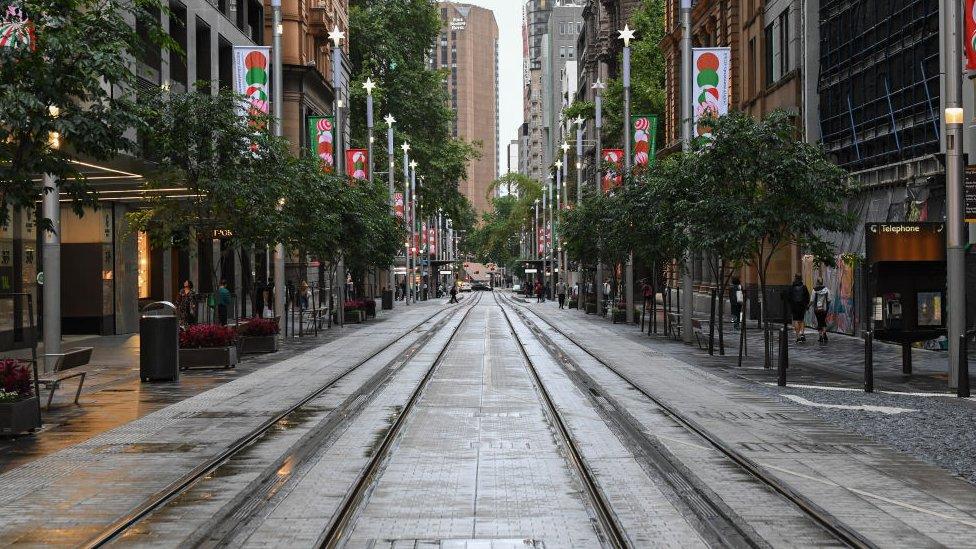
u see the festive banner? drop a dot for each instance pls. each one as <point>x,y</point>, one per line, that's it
<point>644,132</point>
<point>970,32</point>
<point>431,241</point>
<point>321,140</point>
<point>541,241</point>
<point>710,94</point>
<point>356,162</point>
<point>252,78</point>
<point>16,30</point>
<point>614,174</point>
<point>398,204</point>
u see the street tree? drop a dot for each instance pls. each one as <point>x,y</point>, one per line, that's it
<point>68,91</point>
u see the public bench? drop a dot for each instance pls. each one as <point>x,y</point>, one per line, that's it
<point>699,327</point>
<point>66,366</point>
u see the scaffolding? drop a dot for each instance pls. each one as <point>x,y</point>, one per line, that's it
<point>879,81</point>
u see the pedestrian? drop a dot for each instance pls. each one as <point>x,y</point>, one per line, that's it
<point>304,295</point>
<point>268,299</point>
<point>561,293</point>
<point>186,305</point>
<point>799,301</point>
<point>647,292</point>
<point>538,292</point>
<point>454,291</point>
<point>821,305</point>
<point>735,301</point>
<point>223,302</point>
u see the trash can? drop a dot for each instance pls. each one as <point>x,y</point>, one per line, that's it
<point>159,343</point>
<point>387,300</point>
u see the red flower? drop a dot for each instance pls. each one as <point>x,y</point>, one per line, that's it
<point>15,377</point>
<point>202,336</point>
<point>258,327</point>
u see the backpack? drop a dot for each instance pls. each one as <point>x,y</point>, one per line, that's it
<point>796,293</point>
<point>821,302</point>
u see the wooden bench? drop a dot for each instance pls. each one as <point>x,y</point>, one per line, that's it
<point>66,367</point>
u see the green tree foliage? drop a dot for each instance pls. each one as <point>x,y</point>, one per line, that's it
<point>78,64</point>
<point>390,42</point>
<point>498,238</point>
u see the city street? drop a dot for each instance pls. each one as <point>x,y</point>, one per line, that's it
<point>494,421</point>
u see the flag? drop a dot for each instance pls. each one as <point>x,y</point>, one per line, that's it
<point>321,140</point>
<point>252,78</point>
<point>614,174</point>
<point>398,204</point>
<point>644,133</point>
<point>356,163</point>
<point>710,94</point>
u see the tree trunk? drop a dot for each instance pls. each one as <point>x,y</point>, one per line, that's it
<point>711,325</point>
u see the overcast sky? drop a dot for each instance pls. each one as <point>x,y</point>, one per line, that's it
<point>508,16</point>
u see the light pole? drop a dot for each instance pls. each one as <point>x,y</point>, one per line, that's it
<point>406,221</point>
<point>413,229</point>
<point>579,199</point>
<point>598,87</point>
<point>955,192</point>
<point>688,297</point>
<point>337,37</point>
<point>546,228</point>
<point>278,92</point>
<point>627,35</point>
<point>555,232</point>
<point>389,152</point>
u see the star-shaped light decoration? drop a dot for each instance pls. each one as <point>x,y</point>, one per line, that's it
<point>565,147</point>
<point>337,36</point>
<point>559,164</point>
<point>369,85</point>
<point>413,164</point>
<point>389,120</point>
<point>579,120</point>
<point>599,85</point>
<point>626,35</point>
<point>405,146</point>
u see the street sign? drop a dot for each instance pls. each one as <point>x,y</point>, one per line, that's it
<point>531,271</point>
<point>447,272</point>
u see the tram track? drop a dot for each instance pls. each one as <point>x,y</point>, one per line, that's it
<point>829,523</point>
<point>159,500</point>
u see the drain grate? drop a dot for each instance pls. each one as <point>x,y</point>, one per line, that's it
<point>802,448</point>
<point>745,416</point>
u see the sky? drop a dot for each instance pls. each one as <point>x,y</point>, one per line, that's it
<point>508,16</point>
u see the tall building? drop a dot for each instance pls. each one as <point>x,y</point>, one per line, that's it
<point>535,20</point>
<point>559,79</point>
<point>468,49</point>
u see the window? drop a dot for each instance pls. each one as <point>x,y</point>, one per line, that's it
<point>753,77</point>
<point>562,52</point>
<point>570,51</point>
<point>784,42</point>
<point>768,57</point>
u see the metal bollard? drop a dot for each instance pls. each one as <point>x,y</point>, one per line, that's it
<point>962,389</point>
<point>784,355</point>
<point>869,361</point>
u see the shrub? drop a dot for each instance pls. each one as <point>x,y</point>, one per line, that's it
<point>202,336</point>
<point>15,379</point>
<point>259,327</point>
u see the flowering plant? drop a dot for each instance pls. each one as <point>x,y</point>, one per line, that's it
<point>15,380</point>
<point>202,336</point>
<point>258,327</point>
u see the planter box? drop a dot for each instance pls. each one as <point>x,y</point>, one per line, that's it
<point>354,317</point>
<point>259,344</point>
<point>20,416</point>
<point>591,308</point>
<point>215,357</point>
<point>619,316</point>
<point>573,305</point>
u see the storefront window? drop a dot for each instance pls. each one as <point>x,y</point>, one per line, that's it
<point>143,244</point>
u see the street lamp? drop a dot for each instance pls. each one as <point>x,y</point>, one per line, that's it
<point>413,229</point>
<point>389,152</point>
<point>687,287</point>
<point>555,231</point>
<point>337,36</point>
<point>406,220</point>
<point>627,35</point>
<point>369,85</point>
<point>277,93</point>
<point>598,87</point>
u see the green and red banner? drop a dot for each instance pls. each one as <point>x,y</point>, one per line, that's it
<point>321,140</point>
<point>16,30</point>
<point>613,166</point>
<point>710,94</point>
<point>357,161</point>
<point>644,133</point>
<point>252,78</point>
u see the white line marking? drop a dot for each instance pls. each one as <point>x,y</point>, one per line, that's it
<point>890,410</point>
<point>854,390</point>
<point>965,521</point>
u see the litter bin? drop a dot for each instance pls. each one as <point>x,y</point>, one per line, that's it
<point>159,343</point>
<point>387,300</point>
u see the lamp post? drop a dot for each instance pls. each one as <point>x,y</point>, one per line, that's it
<point>546,217</point>
<point>51,246</point>
<point>555,232</point>
<point>277,93</point>
<point>413,229</point>
<point>389,152</point>
<point>955,192</point>
<point>579,199</point>
<point>369,85</point>
<point>688,296</point>
<point>406,221</point>
<point>598,87</point>
<point>337,37</point>
<point>627,35</point>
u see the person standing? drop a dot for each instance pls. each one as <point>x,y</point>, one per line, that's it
<point>561,293</point>
<point>538,292</point>
<point>186,305</point>
<point>799,301</point>
<point>223,302</point>
<point>736,298</point>
<point>821,306</point>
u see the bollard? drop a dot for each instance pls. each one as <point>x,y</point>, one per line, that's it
<point>962,388</point>
<point>869,361</point>
<point>784,355</point>
<point>906,358</point>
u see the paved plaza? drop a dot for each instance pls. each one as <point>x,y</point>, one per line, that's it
<point>495,423</point>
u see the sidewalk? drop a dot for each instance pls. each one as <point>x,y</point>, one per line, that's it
<point>113,394</point>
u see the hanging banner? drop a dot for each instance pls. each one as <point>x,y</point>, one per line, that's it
<point>970,32</point>
<point>431,241</point>
<point>613,165</point>
<point>356,162</point>
<point>321,140</point>
<point>540,240</point>
<point>644,132</point>
<point>710,94</point>
<point>16,30</point>
<point>398,205</point>
<point>252,78</point>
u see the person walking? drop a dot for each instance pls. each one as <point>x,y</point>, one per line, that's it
<point>538,292</point>
<point>186,305</point>
<point>561,293</point>
<point>736,299</point>
<point>821,305</point>
<point>799,302</point>
<point>223,302</point>
<point>454,298</point>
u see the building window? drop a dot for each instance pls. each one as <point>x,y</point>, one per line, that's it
<point>768,57</point>
<point>753,69</point>
<point>570,50</point>
<point>784,42</point>
<point>562,52</point>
